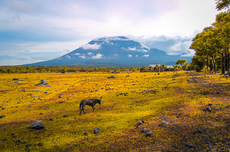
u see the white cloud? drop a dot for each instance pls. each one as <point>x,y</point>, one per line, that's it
<point>135,49</point>
<point>36,20</point>
<point>68,56</point>
<point>91,46</point>
<point>82,56</point>
<point>115,55</point>
<point>97,56</point>
<point>146,55</point>
<point>176,47</point>
<point>190,53</point>
<point>136,55</point>
<point>130,55</point>
<point>77,53</point>
<point>90,53</point>
<point>179,48</point>
<point>132,49</point>
<point>144,46</point>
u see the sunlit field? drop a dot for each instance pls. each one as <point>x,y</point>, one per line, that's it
<point>181,108</point>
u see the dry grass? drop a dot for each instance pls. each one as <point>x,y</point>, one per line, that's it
<point>179,100</point>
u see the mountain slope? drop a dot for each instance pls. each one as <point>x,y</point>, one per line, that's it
<point>114,51</point>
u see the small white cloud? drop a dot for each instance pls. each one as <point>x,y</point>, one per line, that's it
<point>91,46</point>
<point>146,55</point>
<point>97,56</point>
<point>136,55</point>
<point>90,53</point>
<point>176,47</point>
<point>76,54</point>
<point>142,50</point>
<point>132,49</point>
<point>82,56</point>
<point>68,56</point>
<point>144,46</point>
<point>130,55</point>
<point>115,55</point>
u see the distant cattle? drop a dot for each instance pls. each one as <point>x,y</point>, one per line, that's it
<point>90,102</point>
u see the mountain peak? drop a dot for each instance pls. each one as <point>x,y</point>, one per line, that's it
<point>116,50</point>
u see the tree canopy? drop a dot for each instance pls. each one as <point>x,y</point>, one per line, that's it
<point>222,4</point>
<point>212,45</point>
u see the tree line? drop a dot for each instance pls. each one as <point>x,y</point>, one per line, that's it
<point>212,45</point>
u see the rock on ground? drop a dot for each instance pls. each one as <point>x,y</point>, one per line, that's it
<point>37,124</point>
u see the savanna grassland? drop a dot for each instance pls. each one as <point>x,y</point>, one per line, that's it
<point>186,111</point>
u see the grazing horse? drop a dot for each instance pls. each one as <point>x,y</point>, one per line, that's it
<point>90,102</point>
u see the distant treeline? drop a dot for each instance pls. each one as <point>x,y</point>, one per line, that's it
<point>61,69</point>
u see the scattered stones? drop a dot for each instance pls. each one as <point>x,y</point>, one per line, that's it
<point>40,144</point>
<point>111,76</point>
<point>164,123</point>
<point>37,124</point>
<point>64,115</point>
<point>2,116</point>
<point>209,104</point>
<point>15,136</point>
<point>3,108</point>
<point>208,109</point>
<point>137,127</point>
<point>61,101</point>
<point>43,83</point>
<point>4,139</point>
<point>96,130</point>
<point>189,144</point>
<point>51,119</point>
<point>28,145</point>
<point>16,79</point>
<point>204,92</point>
<point>85,133</point>
<point>140,122</point>
<point>18,141</point>
<point>68,149</point>
<point>41,113</point>
<point>144,130</point>
<point>150,133</point>
<point>152,91</point>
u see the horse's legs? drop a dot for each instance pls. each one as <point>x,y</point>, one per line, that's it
<point>93,108</point>
<point>83,108</point>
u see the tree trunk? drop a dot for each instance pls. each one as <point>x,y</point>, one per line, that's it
<point>211,65</point>
<point>223,63</point>
<point>207,63</point>
<point>228,63</point>
<point>214,64</point>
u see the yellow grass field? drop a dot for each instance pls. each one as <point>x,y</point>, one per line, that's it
<point>186,107</point>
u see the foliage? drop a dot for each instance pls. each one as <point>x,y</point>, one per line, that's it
<point>212,45</point>
<point>183,63</point>
<point>176,67</point>
<point>222,4</point>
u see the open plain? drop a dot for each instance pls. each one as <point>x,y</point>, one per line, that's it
<point>181,111</point>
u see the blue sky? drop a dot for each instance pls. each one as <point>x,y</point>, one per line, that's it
<point>38,30</point>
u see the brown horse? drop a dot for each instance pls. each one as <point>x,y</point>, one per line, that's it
<point>90,102</point>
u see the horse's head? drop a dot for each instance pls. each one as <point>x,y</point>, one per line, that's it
<point>98,101</point>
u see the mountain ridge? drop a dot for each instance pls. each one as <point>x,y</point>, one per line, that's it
<point>111,51</point>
